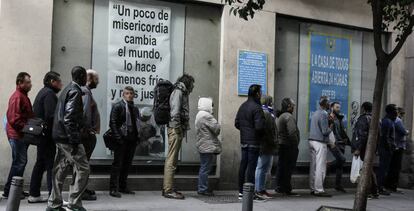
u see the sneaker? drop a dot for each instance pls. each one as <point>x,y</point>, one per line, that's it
<point>340,189</point>
<point>264,194</point>
<point>115,194</point>
<point>240,196</point>
<point>55,209</point>
<point>65,203</point>
<point>127,191</point>
<point>174,195</point>
<point>321,194</point>
<point>257,198</point>
<point>33,199</point>
<point>384,192</point>
<point>206,193</point>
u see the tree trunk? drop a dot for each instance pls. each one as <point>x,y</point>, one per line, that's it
<point>360,203</point>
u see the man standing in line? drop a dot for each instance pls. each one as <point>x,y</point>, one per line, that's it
<point>391,181</point>
<point>92,122</point>
<point>44,107</point>
<point>177,128</point>
<point>341,140</point>
<point>18,112</point>
<point>320,128</point>
<point>386,146</point>
<point>124,123</point>
<point>67,125</point>
<point>289,138</point>
<point>250,121</point>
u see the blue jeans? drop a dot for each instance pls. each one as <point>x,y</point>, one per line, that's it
<point>263,165</point>
<point>248,164</point>
<point>206,159</point>
<point>19,161</point>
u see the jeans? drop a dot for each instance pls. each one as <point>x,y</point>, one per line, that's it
<point>248,164</point>
<point>384,165</point>
<point>391,181</point>
<point>206,159</point>
<point>264,164</point>
<point>67,162</point>
<point>175,137</point>
<point>287,162</point>
<point>317,170</point>
<point>338,152</point>
<point>44,162</point>
<point>123,156</point>
<point>19,161</point>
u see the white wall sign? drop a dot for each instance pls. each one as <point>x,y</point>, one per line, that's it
<point>138,49</point>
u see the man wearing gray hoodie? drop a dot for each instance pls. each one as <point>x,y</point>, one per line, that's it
<point>318,140</point>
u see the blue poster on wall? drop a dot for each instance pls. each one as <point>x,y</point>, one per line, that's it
<point>251,69</point>
<point>329,71</point>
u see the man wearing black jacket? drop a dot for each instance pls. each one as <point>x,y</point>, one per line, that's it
<point>44,108</point>
<point>67,126</point>
<point>124,122</point>
<point>250,121</point>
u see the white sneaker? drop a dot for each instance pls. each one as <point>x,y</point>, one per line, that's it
<point>65,203</point>
<point>39,199</point>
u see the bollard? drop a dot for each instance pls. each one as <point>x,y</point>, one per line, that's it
<point>248,192</point>
<point>16,189</point>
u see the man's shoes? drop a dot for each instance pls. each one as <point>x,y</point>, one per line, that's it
<point>264,194</point>
<point>384,192</point>
<point>4,196</point>
<point>174,195</point>
<point>25,194</point>
<point>292,194</point>
<point>373,196</point>
<point>91,192</point>
<point>240,196</point>
<point>340,189</point>
<point>115,194</point>
<point>33,199</point>
<point>55,209</point>
<point>127,191</point>
<point>394,190</point>
<point>76,208</point>
<point>88,197</point>
<point>205,193</point>
<point>321,194</point>
<point>257,198</point>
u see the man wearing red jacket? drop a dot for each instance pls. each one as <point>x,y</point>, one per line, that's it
<point>18,112</point>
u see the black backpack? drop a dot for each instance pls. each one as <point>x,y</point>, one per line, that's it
<point>162,92</point>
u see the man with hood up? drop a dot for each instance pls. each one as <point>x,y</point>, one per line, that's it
<point>208,143</point>
<point>177,128</point>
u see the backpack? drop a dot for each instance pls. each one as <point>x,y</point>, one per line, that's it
<point>162,92</point>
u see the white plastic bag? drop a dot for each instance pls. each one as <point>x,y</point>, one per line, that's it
<point>355,169</point>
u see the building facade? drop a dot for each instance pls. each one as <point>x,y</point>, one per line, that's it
<point>137,42</point>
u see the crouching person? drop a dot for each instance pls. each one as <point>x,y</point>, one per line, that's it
<point>70,153</point>
<point>124,121</point>
<point>208,143</point>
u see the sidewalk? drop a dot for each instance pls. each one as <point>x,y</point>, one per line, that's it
<point>227,201</point>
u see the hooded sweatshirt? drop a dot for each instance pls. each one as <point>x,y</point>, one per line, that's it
<point>207,128</point>
<point>180,112</point>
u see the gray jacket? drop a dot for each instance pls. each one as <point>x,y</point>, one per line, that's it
<point>319,127</point>
<point>90,112</point>
<point>288,130</point>
<point>207,128</point>
<point>180,112</point>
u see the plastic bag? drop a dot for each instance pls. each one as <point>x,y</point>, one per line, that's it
<point>355,169</point>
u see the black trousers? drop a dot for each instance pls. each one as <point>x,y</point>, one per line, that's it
<point>248,164</point>
<point>44,162</point>
<point>123,156</point>
<point>89,143</point>
<point>391,180</point>
<point>286,164</point>
<point>338,152</point>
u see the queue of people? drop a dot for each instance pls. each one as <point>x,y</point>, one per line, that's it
<point>72,121</point>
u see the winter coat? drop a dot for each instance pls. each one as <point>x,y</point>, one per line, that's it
<point>339,130</point>
<point>387,135</point>
<point>288,130</point>
<point>400,134</point>
<point>44,107</point>
<point>68,119</point>
<point>207,128</point>
<point>117,120</point>
<point>18,112</point>
<point>269,144</point>
<point>360,134</point>
<point>180,112</point>
<point>90,112</point>
<point>250,121</point>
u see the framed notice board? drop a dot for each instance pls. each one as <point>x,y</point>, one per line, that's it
<point>251,69</point>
